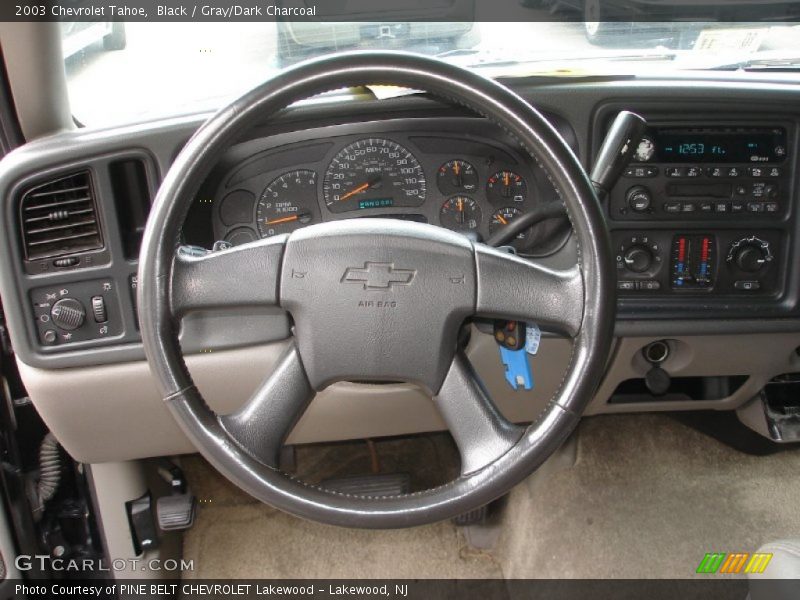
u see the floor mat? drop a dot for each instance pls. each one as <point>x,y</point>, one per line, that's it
<point>647,497</point>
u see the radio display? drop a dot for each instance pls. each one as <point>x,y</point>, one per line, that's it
<point>719,145</point>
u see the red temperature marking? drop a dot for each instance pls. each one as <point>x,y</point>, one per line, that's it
<point>704,252</point>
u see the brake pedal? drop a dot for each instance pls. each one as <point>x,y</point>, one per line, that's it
<point>387,484</point>
<point>175,512</point>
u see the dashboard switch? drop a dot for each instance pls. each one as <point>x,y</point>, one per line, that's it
<point>68,314</point>
<point>99,309</point>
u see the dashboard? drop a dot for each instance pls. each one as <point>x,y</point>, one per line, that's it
<point>473,183</point>
<point>703,224</point>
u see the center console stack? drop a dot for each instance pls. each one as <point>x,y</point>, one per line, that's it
<point>705,210</point>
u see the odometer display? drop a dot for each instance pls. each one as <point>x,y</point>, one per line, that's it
<point>373,173</point>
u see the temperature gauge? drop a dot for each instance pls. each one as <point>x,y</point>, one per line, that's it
<point>456,176</point>
<point>503,217</point>
<point>506,186</point>
<point>460,213</point>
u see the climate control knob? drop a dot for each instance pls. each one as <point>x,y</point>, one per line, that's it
<point>68,314</point>
<point>750,254</point>
<point>638,259</point>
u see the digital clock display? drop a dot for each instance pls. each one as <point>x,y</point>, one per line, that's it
<point>720,145</point>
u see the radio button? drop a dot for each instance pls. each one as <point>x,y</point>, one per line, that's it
<point>706,207</point>
<point>688,207</point>
<point>694,172</point>
<point>755,207</point>
<point>672,207</point>
<point>675,171</point>
<point>756,171</point>
<point>715,172</point>
<point>639,199</point>
<point>721,207</point>
<point>774,172</point>
<point>626,285</point>
<point>734,172</point>
<point>741,190</point>
<point>771,207</point>
<point>737,207</point>
<point>640,172</point>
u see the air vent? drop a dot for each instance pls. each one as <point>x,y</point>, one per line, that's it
<point>60,217</point>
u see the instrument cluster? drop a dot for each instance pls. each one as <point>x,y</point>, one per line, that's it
<point>468,186</point>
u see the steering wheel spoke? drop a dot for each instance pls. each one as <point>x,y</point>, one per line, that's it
<point>510,287</point>
<point>245,275</point>
<point>261,426</point>
<point>480,431</point>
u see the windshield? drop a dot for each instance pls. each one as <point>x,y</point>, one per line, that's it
<point>124,72</point>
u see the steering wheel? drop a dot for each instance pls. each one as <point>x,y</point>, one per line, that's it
<point>377,300</point>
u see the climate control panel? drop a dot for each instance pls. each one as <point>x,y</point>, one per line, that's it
<point>707,262</point>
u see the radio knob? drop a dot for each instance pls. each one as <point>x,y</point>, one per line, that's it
<point>639,199</point>
<point>68,314</point>
<point>750,255</point>
<point>638,259</point>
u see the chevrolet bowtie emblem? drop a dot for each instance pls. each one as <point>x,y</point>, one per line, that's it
<point>378,276</point>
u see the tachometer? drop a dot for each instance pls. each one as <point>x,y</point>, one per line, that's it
<point>373,173</point>
<point>288,202</point>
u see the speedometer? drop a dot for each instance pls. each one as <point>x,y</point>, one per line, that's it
<point>373,173</point>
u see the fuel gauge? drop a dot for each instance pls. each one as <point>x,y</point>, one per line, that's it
<point>460,213</point>
<point>456,176</point>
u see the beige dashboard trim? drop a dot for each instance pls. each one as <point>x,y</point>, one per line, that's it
<point>114,412</point>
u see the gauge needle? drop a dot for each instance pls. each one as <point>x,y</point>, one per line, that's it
<point>283,220</point>
<point>502,220</point>
<point>506,179</point>
<point>362,188</point>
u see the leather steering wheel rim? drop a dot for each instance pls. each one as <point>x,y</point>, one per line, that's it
<point>167,281</point>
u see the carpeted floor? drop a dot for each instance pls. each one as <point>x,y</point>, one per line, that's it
<point>235,536</point>
<point>647,497</point>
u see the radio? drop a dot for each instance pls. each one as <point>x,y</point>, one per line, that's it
<point>705,173</point>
